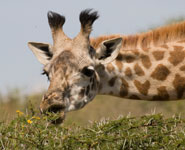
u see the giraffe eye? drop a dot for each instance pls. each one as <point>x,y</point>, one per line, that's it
<point>88,71</point>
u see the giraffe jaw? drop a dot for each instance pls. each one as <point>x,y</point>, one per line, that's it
<point>75,105</point>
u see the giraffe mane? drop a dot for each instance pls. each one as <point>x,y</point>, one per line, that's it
<point>154,37</point>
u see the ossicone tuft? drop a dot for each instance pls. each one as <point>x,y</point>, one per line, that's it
<point>55,20</point>
<point>87,17</point>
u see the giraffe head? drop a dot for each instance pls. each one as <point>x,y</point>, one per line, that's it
<point>71,64</point>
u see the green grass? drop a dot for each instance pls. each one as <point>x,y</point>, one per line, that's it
<point>146,132</point>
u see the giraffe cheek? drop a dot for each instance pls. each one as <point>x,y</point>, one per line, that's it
<point>81,94</point>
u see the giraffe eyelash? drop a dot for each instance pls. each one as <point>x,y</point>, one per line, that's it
<point>44,72</point>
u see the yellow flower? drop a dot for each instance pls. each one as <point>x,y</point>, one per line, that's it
<point>19,112</point>
<point>35,117</point>
<point>29,121</point>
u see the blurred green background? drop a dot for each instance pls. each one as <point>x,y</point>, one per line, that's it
<point>101,107</point>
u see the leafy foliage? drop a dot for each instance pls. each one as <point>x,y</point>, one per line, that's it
<point>22,126</point>
<point>147,132</point>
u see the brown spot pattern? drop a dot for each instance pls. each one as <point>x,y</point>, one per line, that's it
<point>177,55</point>
<point>135,52</point>
<point>182,41</point>
<point>165,46</point>
<point>128,72</point>
<point>162,94</point>
<point>182,68</point>
<point>145,49</point>
<point>124,88</point>
<point>129,58</point>
<point>138,70</point>
<point>82,93</point>
<point>64,61</point>
<point>119,57</point>
<point>158,55</point>
<point>142,87</point>
<point>178,48</point>
<point>179,85</point>
<point>112,81</point>
<point>160,73</point>
<point>119,65</point>
<point>146,61</point>
<point>110,68</point>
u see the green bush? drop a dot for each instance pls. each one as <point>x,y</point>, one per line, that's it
<point>147,132</point>
<point>30,130</point>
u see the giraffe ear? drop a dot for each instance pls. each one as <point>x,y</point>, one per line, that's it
<point>108,50</point>
<point>42,51</point>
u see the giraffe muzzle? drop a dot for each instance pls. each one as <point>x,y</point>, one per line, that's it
<point>54,109</point>
<point>55,113</point>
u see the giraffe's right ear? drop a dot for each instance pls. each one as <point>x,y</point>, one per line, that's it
<point>108,50</point>
<point>42,51</point>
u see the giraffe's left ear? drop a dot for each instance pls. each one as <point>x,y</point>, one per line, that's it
<point>108,50</point>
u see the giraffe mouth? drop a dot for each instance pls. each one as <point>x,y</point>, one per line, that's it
<point>55,108</point>
<point>55,113</point>
<point>59,119</point>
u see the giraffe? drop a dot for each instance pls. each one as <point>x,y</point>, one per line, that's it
<point>145,66</point>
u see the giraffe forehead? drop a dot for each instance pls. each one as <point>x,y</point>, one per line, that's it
<point>64,61</point>
<point>71,57</point>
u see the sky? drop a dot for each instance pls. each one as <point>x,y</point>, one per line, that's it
<point>22,21</point>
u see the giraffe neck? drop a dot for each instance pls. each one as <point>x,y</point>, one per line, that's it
<point>155,73</point>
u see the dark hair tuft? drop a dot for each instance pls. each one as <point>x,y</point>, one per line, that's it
<point>88,16</point>
<point>55,20</point>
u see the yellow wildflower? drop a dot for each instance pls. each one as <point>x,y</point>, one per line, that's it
<point>19,112</point>
<point>29,121</point>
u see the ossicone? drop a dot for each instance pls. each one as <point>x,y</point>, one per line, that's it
<point>87,18</point>
<point>55,20</point>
